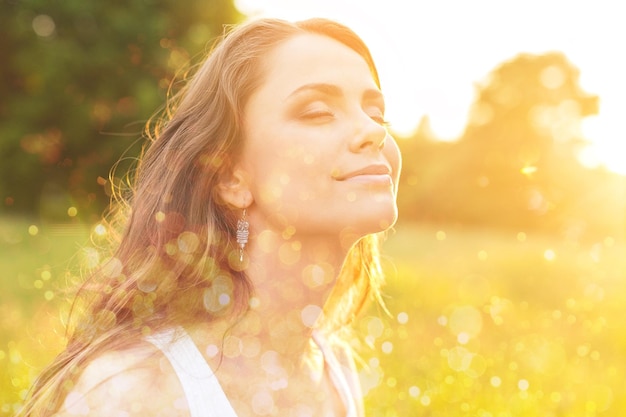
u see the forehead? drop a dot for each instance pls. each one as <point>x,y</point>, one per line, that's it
<point>309,58</point>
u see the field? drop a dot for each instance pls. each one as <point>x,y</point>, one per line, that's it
<point>482,323</point>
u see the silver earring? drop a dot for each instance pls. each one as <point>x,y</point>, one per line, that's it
<point>242,234</point>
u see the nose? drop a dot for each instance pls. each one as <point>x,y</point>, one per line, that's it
<point>368,135</point>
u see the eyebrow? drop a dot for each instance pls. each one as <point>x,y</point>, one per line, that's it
<point>334,91</point>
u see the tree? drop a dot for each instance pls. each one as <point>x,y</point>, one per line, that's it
<point>516,163</point>
<point>78,82</point>
<point>523,136</point>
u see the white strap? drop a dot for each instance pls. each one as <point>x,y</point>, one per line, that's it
<point>205,396</point>
<point>338,373</point>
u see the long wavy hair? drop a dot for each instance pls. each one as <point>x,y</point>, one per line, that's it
<point>175,246</point>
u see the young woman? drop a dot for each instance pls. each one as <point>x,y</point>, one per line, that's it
<point>250,244</point>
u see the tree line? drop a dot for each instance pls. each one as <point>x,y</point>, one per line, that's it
<point>516,164</point>
<point>80,79</point>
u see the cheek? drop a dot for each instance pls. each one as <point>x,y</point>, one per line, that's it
<point>286,174</point>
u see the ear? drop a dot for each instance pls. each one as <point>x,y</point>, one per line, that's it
<point>234,188</point>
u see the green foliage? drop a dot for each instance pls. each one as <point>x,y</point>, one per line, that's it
<point>78,81</point>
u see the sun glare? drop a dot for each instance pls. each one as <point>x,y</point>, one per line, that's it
<point>428,70</point>
<point>607,144</point>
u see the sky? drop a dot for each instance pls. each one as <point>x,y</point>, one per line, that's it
<point>431,54</point>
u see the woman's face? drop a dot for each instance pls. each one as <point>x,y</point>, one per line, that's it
<point>318,158</point>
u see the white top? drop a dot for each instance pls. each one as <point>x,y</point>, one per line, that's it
<point>206,397</point>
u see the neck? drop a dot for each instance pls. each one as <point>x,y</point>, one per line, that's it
<point>292,280</point>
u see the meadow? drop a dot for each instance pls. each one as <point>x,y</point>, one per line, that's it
<point>485,323</point>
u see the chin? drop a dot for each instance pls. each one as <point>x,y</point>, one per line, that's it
<point>383,213</point>
<point>387,222</point>
<point>375,221</point>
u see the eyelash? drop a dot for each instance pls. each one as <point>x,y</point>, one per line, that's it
<point>316,114</point>
<point>380,120</point>
<point>313,115</point>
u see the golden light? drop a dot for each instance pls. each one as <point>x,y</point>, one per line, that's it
<point>607,147</point>
<point>528,170</point>
<point>428,69</point>
<point>91,257</point>
<point>549,255</point>
<point>100,229</point>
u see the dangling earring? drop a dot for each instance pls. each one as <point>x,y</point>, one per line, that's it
<point>242,234</point>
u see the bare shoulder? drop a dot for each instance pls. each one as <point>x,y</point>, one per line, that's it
<point>138,381</point>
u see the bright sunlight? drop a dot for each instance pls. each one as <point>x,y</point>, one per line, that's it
<point>455,44</point>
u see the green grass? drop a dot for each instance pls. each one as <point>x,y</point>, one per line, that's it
<point>488,323</point>
<point>35,260</point>
<point>483,323</point>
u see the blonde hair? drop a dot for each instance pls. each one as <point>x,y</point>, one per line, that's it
<point>177,240</point>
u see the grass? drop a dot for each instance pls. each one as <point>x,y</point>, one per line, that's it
<point>35,261</point>
<point>483,323</point>
<point>491,323</point>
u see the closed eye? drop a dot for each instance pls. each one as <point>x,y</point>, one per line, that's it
<point>380,120</point>
<point>378,116</point>
<point>318,115</point>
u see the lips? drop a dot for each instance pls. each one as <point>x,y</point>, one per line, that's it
<point>368,171</point>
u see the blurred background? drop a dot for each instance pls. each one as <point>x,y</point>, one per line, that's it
<point>507,270</point>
